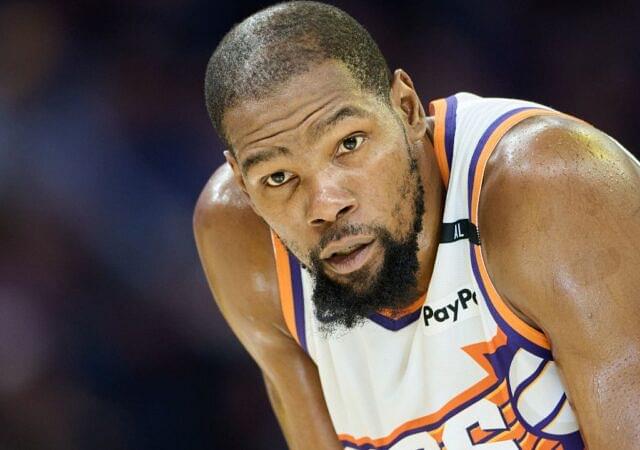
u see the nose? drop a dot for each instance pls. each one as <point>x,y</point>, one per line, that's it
<point>328,203</point>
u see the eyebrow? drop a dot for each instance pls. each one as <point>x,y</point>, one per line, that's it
<point>316,130</point>
<point>262,156</point>
<point>331,121</point>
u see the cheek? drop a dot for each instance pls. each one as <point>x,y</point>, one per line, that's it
<point>275,208</point>
<point>299,249</point>
<point>284,214</point>
<point>389,190</point>
<point>282,222</point>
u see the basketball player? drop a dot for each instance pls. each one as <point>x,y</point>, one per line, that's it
<point>465,275</point>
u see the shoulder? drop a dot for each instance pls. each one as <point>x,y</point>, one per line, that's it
<point>555,192</point>
<point>224,222</point>
<point>236,253</point>
<point>221,202</point>
<point>552,148</point>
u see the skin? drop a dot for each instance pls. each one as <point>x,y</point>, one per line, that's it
<point>551,186</point>
<point>329,183</point>
<point>560,215</point>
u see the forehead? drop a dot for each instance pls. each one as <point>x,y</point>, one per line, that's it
<point>323,87</point>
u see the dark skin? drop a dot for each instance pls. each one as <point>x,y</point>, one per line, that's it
<point>559,213</point>
<point>325,182</point>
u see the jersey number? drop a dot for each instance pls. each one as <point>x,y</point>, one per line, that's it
<point>455,434</point>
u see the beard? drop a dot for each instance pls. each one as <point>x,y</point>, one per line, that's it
<point>393,287</point>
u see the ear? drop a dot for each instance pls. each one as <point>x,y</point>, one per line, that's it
<point>405,100</point>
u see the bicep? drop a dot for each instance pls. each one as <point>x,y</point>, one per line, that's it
<point>590,311</point>
<point>563,249</point>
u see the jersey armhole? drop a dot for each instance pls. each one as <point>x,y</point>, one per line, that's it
<point>290,288</point>
<point>501,311</point>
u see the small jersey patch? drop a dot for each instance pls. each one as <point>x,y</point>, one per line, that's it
<point>444,313</point>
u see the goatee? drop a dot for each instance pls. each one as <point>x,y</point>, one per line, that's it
<point>394,287</point>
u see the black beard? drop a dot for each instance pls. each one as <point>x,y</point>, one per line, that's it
<point>394,287</point>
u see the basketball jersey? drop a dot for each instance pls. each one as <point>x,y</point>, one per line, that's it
<point>458,369</point>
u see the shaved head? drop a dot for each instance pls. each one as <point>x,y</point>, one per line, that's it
<point>268,48</point>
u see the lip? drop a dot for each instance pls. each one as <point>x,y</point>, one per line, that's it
<point>344,243</point>
<point>345,264</point>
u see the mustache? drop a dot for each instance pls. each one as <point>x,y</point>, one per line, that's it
<point>335,233</point>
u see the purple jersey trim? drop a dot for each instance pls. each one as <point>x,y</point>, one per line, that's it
<point>395,324</point>
<point>450,128</point>
<point>525,383</point>
<point>515,337</point>
<point>540,426</point>
<point>481,143</point>
<point>493,432</point>
<point>298,300</point>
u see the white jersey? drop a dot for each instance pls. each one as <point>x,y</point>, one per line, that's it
<point>459,370</point>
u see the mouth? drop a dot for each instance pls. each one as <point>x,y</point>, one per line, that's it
<point>349,256</point>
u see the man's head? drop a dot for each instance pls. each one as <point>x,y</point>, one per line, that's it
<point>262,52</point>
<point>328,149</point>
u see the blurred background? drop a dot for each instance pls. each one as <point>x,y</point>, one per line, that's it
<point>109,337</point>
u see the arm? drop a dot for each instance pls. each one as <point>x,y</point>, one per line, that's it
<point>560,221</point>
<point>236,254</point>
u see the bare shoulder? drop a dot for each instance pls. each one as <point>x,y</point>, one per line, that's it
<point>236,253</point>
<point>552,148</point>
<point>222,203</point>
<point>553,188</point>
<point>227,230</point>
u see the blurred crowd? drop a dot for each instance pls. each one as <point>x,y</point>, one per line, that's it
<point>109,337</point>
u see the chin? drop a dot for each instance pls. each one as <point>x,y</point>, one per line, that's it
<point>359,281</point>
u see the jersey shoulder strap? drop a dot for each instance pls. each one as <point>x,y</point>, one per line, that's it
<point>468,130</point>
<point>289,271</point>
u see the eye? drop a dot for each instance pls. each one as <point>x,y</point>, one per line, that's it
<point>350,144</point>
<point>278,178</point>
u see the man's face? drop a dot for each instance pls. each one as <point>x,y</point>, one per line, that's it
<point>331,170</point>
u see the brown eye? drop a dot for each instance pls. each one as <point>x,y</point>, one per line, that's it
<point>351,143</point>
<point>278,178</point>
